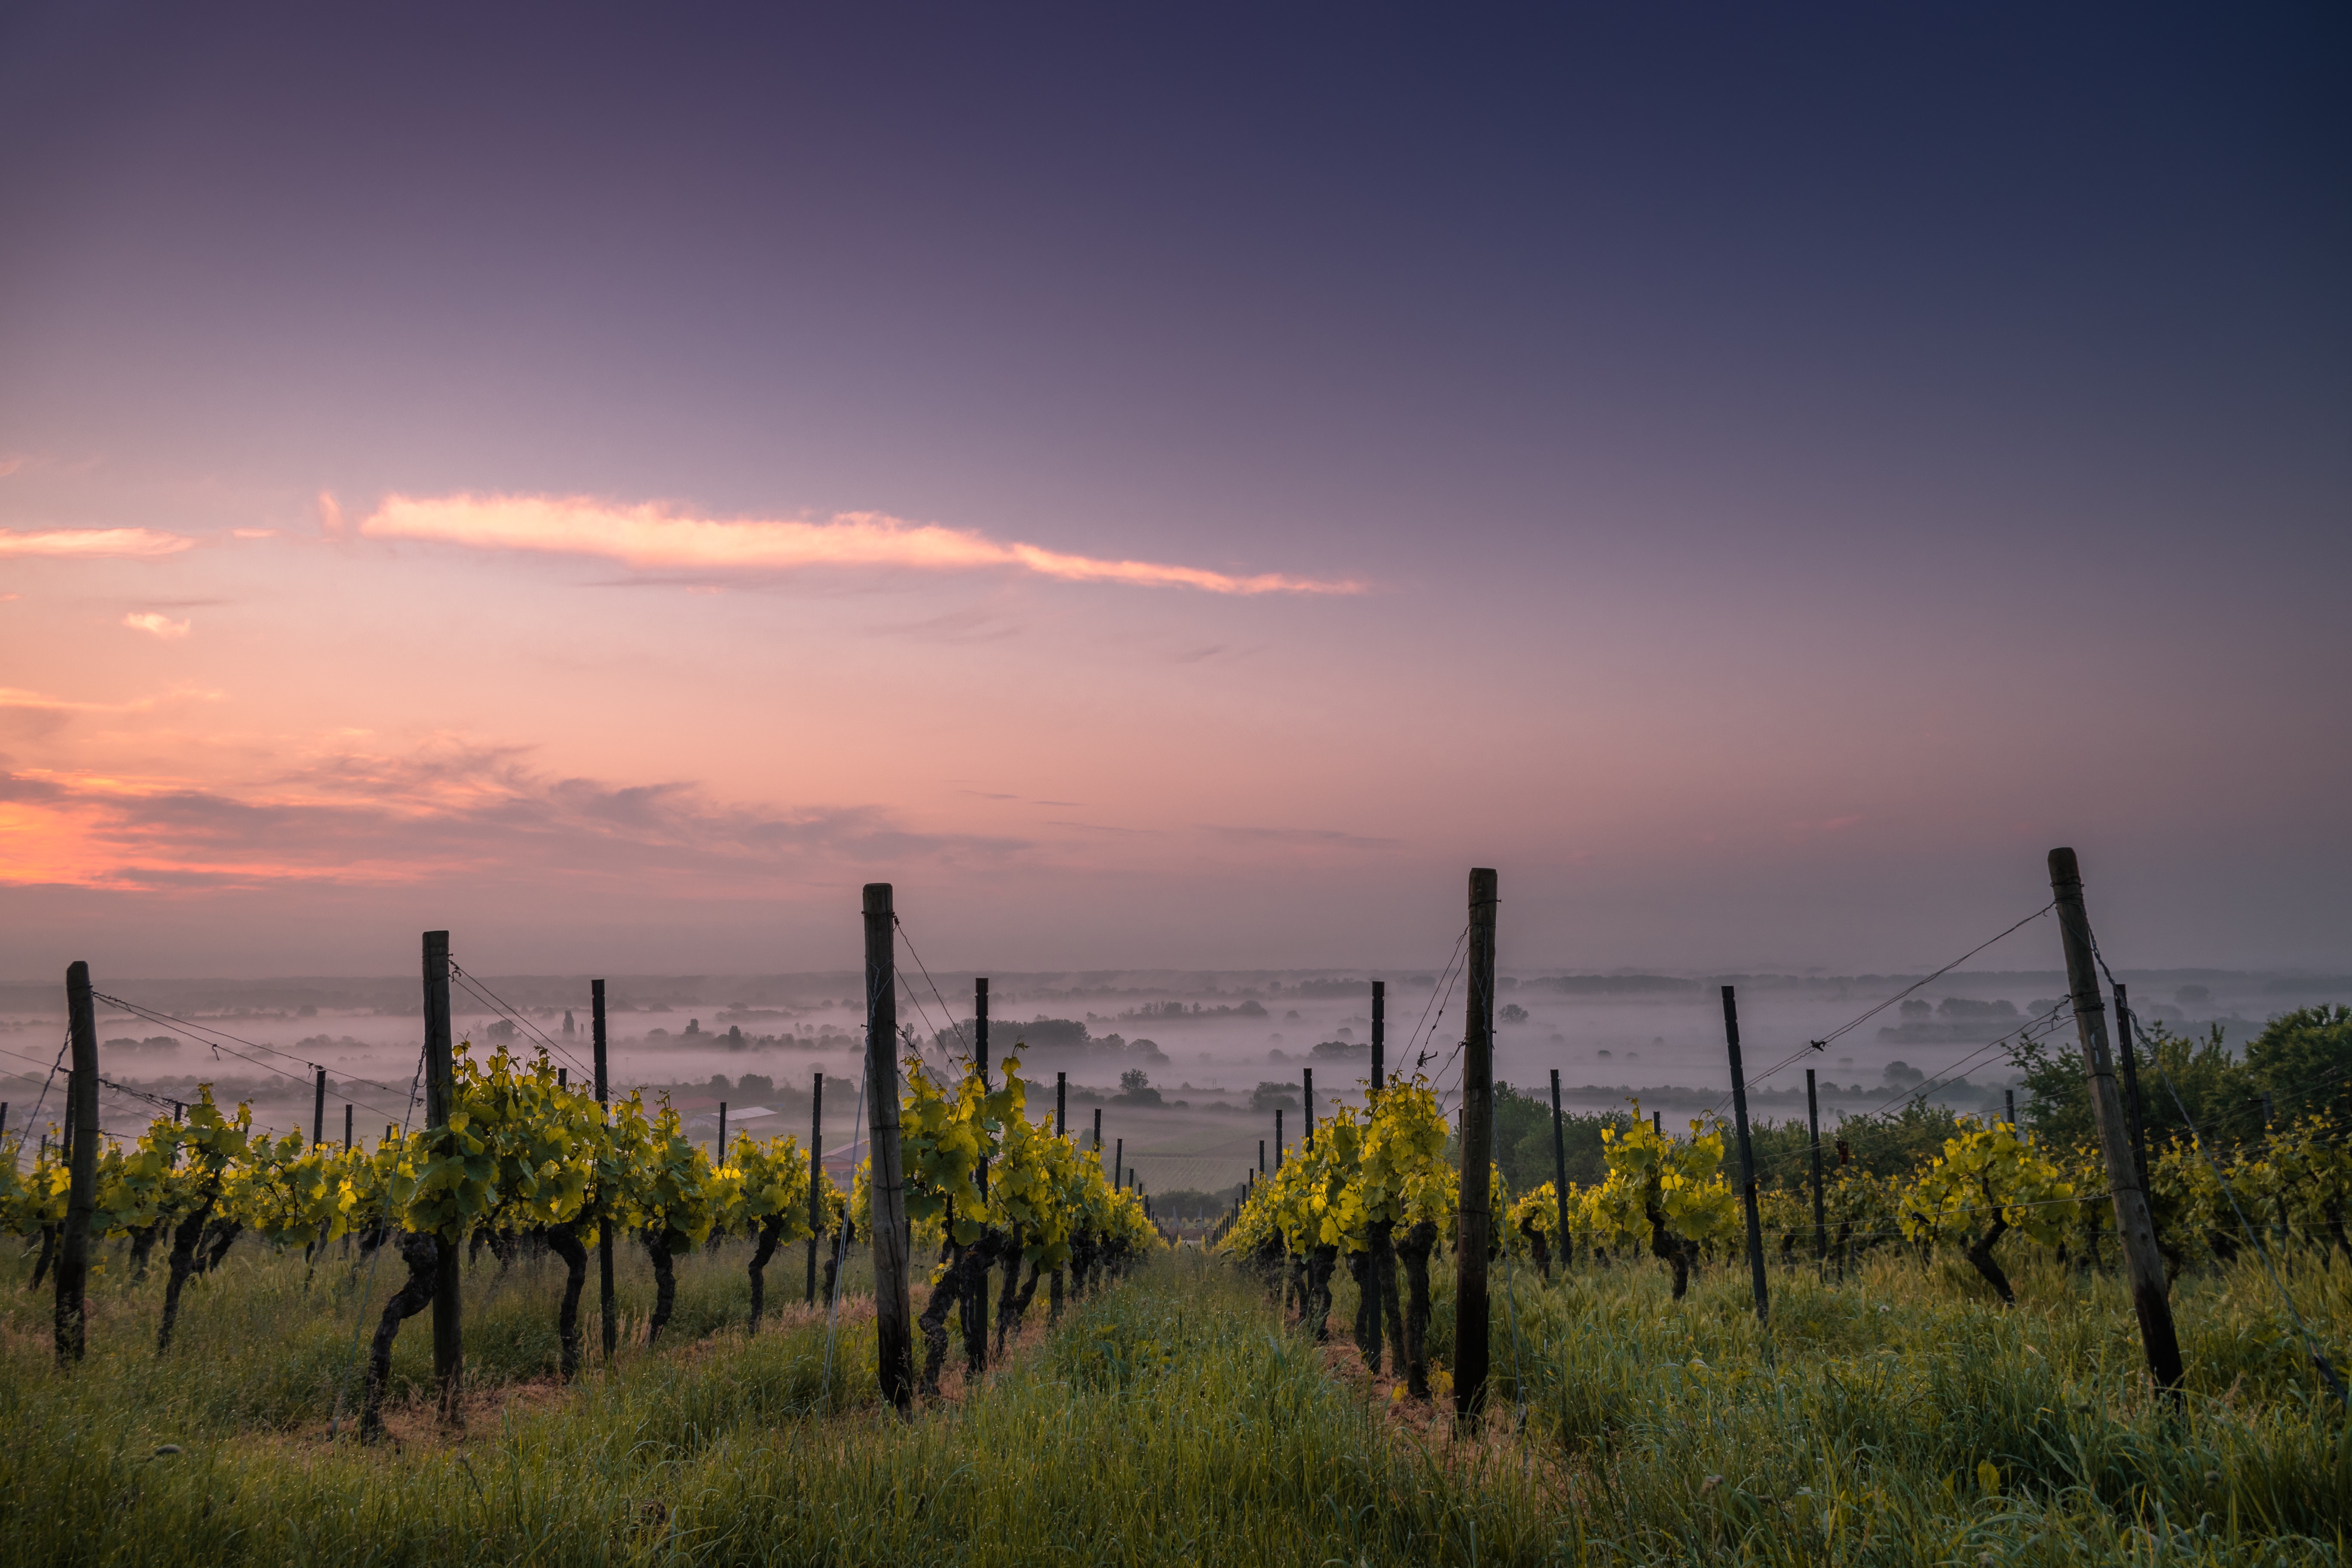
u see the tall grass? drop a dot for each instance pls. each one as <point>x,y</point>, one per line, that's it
<point>1176,1419</point>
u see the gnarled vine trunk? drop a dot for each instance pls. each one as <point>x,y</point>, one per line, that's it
<point>566,1243</point>
<point>1414,1252</point>
<point>657,1248</point>
<point>771,1230</point>
<point>1367,1312</point>
<point>48,1252</point>
<point>1539,1245</point>
<point>1979,1253</point>
<point>1665,1243</point>
<point>186,1236</point>
<point>1320,1263</point>
<point>422,1253</point>
<point>970,1268</point>
<point>143,1242</point>
<point>1011,1288</point>
<point>1384,1269</point>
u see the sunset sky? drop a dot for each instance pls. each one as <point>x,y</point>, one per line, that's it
<point>1171,486</point>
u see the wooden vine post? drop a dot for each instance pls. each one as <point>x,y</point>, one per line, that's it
<point>1560,1169</point>
<point>610,1323</point>
<point>892,1317</point>
<point>81,1193</point>
<point>2131,1082</point>
<point>1820,1213</point>
<point>2143,1264</point>
<point>816,1179</point>
<point>1308,1094</point>
<point>319,1109</point>
<point>975,1301</point>
<point>1746,1154</point>
<point>1470,1311</point>
<point>440,1099</point>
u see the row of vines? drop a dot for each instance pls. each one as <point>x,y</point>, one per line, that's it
<point>1378,1190</point>
<point>526,1160</point>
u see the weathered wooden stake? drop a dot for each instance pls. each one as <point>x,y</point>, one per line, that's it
<point>440,1099</point>
<point>1820,1213</point>
<point>2009,1100</point>
<point>1560,1169</point>
<point>319,1109</point>
<point>1380,1037</point>
<point>1062,1106</point>
<point>816,1179</point>
<point>610,1325</point>
<point>1118,1163</point>
<point>2134,1229</point>
<point>1746,1153</point>
<point>893,1318</point>
<point>2131,1082</point>
<point>1470,1319</point>
<point>1309,1095</point>
<point>81,1192</point>
<point>347,1127</point>
<point>1097,1129</point>
<point>721,1157</point>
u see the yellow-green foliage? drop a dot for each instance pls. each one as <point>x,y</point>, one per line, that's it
<point>1680,1181</point>
<point>1987,1178</point>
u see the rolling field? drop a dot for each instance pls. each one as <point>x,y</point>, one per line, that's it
<point>1902,1416</point>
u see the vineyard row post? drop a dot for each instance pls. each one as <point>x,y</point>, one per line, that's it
<point>440,1098</point>
<point>1559,1169</point>
<point>610,1323</point>
<point>319,1109</point>
<point>1746,1153</point>
<point>816,1178</point>
<point>975,1301</point>
<point>2143,1264</point>
<point>2131,1081</point>
<point>1277,1138</point>
<point>1470,1320</point>
<point>892,1317</point>
<point>1820,1216</point>
<point>1308,1094</point>
<point>81,1192</point>
<point>347,1127</point>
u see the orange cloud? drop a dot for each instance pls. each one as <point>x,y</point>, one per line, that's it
<point>93,542</point>
<point>158,626</point>
<point>653,537</point>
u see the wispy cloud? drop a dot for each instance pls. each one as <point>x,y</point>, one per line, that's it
<point>481,812</point>
<point>122,543</point>
<point>1303,837</point>
<point>653,537</point>
<point>163,626</point>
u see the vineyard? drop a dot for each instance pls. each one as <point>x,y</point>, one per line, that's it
<point>523,1161</point>
<point>1925,1336</point>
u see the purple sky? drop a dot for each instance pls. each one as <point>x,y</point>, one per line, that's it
<point>610,484</point>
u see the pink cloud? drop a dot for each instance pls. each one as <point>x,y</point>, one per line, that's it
<point>450,810</point>
<point>655,537</point>
<point>163,626</point>
<point>129,544</point>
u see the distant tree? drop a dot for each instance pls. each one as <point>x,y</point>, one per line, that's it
<point>755,1083</point>
<point>1135,1089</point>
<point>1513,1013</point>
<point>2305,1061</point>
<point>1269,1097</point>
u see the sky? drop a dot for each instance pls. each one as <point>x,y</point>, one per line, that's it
<point>1171,487</point>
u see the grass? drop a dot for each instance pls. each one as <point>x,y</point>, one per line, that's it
<point>1175,1419</point>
